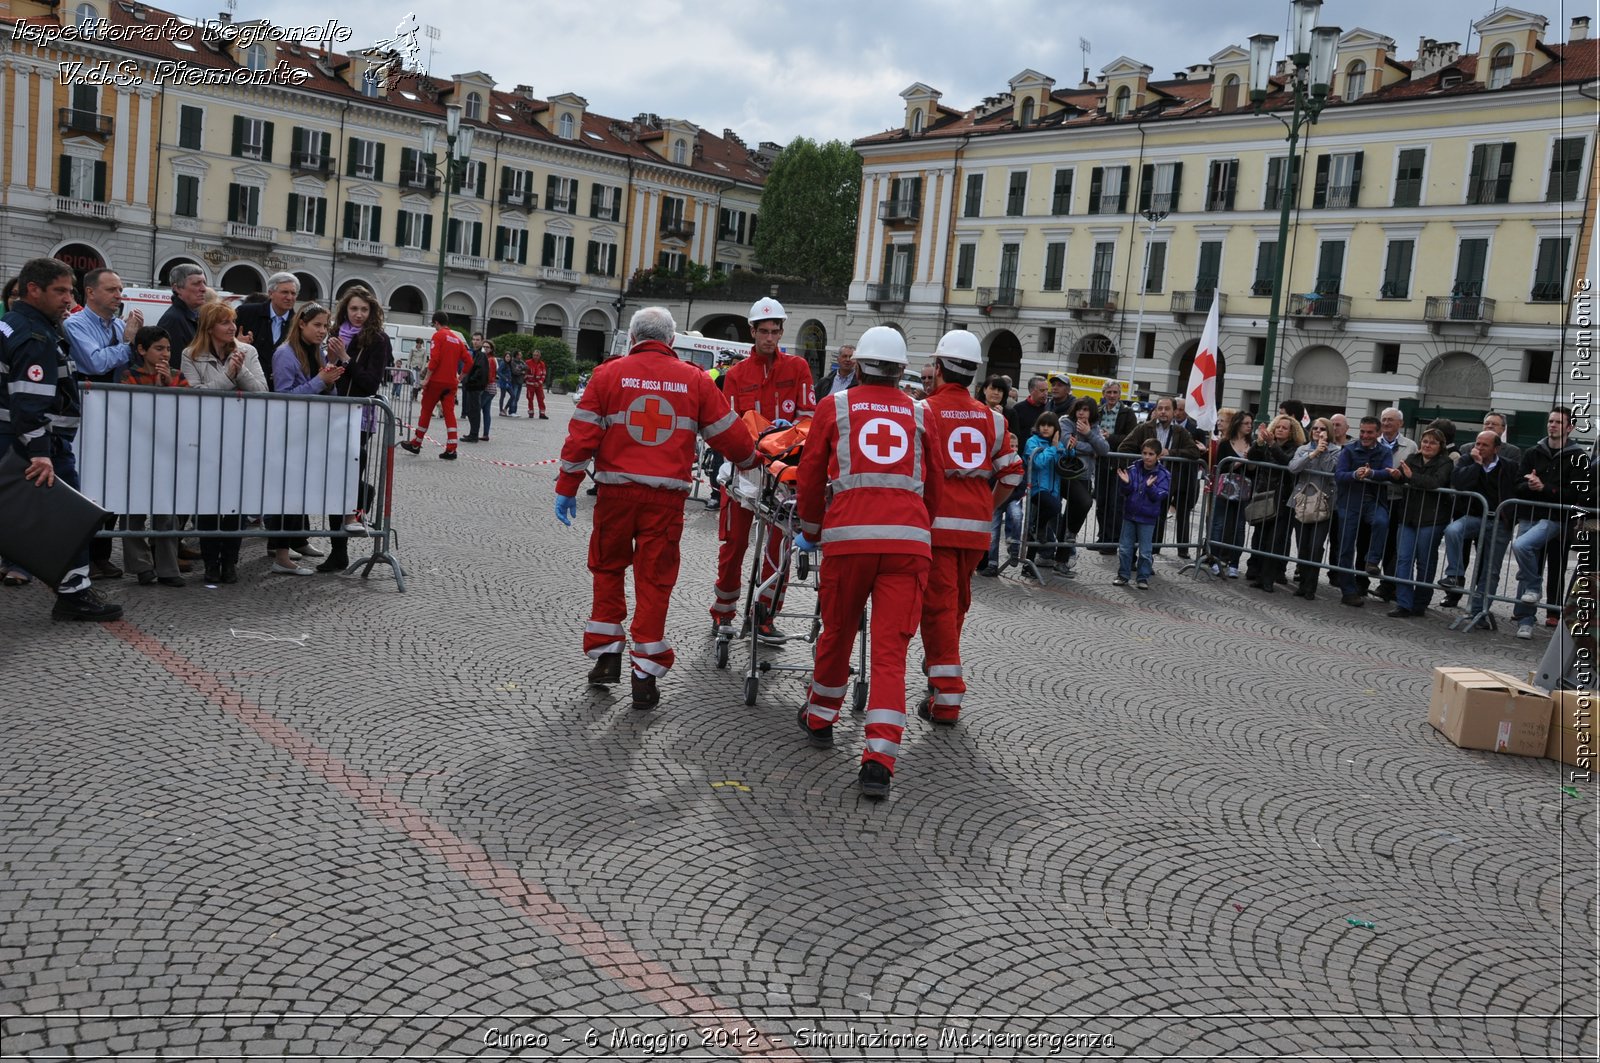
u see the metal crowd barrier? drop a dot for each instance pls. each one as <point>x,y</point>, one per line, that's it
<point>1493,559</point>
<point>1020,550</point>
<point>174,453</point>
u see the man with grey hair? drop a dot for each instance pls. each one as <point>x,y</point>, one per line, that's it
<point>183,316</point>
<point>636,424</point>
<point>266,325</point>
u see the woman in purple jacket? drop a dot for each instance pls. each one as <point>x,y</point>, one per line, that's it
<point>298,368</point>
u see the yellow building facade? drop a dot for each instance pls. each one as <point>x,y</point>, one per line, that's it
<point>137,140</point>
<point>1440,204</point>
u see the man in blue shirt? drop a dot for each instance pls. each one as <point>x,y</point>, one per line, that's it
<point>1361,497</point>
<point>97,334</point>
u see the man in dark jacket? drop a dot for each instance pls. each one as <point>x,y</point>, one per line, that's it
<point>1555,472</point>
<point>1024,415</point>
<point>183,316</point>
<point>1486,471</point>
<point>1117,419</point>
<point>1361,497</point>
<point>268,323</point>
<point>842,376</point>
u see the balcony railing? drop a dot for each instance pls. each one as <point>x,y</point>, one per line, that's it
<point>899,210</point>
<point>1545,293</point>
<point>1091,299</point>
<point>1471,310</point>
<point>1338,197</point>
<point>557,275</point>
<point>1217,201</point>
<point>365,248</point>
<point>255,234</point>
<point>998,302</point>
<point>469,263</point>
<point>518,197</point>
<point>85,208</point>
<point>883,294</point>
<point>76,121</point>
<point>1198,302</point>
<point>1163,202</point>
<point>310,162</point>
<point>1334,309</point>
<point>677,228</point>
<point>420,182</point>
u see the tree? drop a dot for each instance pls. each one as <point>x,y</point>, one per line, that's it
<point>557,355</point>
<point>808,212</point>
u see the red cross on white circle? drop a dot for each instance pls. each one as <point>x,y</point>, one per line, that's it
<point>966,447</point>
<point>651,420</point>
<point>882,440</point>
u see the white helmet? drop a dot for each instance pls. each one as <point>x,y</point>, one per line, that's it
<point>959,349</point>
<point>881,345</point>
<point>767,310</point>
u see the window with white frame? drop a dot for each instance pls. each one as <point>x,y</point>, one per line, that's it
<point>413,230</point>
<point>474,108</point>
<point>1500,66</point>
<point>512,244</point>
<point>671,261</point>
<point>80,179</point>
<point>244,204</point>
<point>680,152</point>
<point>1124,100</point>
<point>255,57</point>
<point>1355,80</point>
<point>307,214</point>
<point>566,128</point>
<point>966,261</point>
<point>602,259</point>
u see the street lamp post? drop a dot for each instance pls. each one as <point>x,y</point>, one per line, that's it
<point>1154,217</point>
<point>1313,49</point>
<point>457,152</point>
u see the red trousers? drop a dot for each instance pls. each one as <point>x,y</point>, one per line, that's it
<point>944,612</point>
<point>644,535</point>
<point>535,392</point>
<point>895,584</point>
<point>733,528</point>
<point>438,395</point>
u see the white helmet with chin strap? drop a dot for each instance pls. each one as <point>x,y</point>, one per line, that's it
<point>882,350</point>
<point>960,352</point>
<point>767,310</point>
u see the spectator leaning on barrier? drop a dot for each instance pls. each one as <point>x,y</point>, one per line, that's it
<point>1422,514</point>
<point>636,422</point>
<point>1007,521</point>
<point>1084,441</point>
<point>182,318</point>
<point>1555,472</point>
<point>1497,478</point>
<point>152,560</point>
<point>1362,499</point>
<point>265,324</point>
<point>1231,486</point>
<point>298,369</point>
<point>1145,486</point>
<point>368,357</point>
<point>39,404</point>
<point>1313,464</point>
<point>1117,419</point>
<point>216,361</point>
<point>1043,454</point>
<point>1274,444</point>
<point>1391,422</point>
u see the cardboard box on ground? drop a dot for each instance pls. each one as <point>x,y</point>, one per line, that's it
<point>1479,709</point>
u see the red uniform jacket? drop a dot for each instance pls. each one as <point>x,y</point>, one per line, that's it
<point>779,387</point>
<point>449,355</point>
<point>638,420</point>
<point>868,448</point>
<point>974,448</point>
<point>536,372</point>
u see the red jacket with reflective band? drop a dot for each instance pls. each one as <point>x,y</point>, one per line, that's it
<point>638,420</point>
<point>779,387</point>
<point>974,448</point>
<point>449,358</point>
<point>868,477</point>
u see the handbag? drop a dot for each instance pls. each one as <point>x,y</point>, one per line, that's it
<point>45,527</point>
<point>1262,508</point>
<point>1312,505</point>
<point>1233,487</point>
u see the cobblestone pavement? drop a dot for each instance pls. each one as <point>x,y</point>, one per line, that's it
<point>415,831</point>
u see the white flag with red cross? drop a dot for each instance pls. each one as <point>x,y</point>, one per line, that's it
<point>1202,389</point>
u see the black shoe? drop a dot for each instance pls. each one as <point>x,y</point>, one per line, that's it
<point>469,439</point>
<point>213,575</point>
<point>989,570</point>
<point>769,635</point>
<point>172,581</point>
<point>607,670</point>
<point>1450,601</point>
<point>874,779</point>
<point>146,578</point>
<point>411,448</point>
<point>1308,591</point>
<point>86,604</point>
<point>1401,611</point>
<point>1354,601</point>
<point>1183,555</point>
<point>104,570</point>
<point>645,694</point>
<point>542,417</point>
<point>1450,582</point>
<point>1266,586</point>
<point>592,491</point>
<point>230,572</point>
<point>447,455</point>
<point>821,737</point>
<point>1372,569</point>
<point>335,563</point>
<point>925,711</point>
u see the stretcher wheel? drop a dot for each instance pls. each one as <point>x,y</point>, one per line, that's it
<point>722,653</point>
<point>751,685</point>
<point>802,566</point>
<point>858,699</point>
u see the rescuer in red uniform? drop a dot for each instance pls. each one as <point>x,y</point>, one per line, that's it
<point>778,387</point>
<point>981,469</point>
<point>867,482</point>
<point>537,371</point>
<point>448,355</point>
<point>637,422</point>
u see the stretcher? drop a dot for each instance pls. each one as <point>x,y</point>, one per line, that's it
<point>768,491</point>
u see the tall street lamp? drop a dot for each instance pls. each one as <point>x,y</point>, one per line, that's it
<point>1312,51</point>
<point>1154,217</point>
<point>457,152</point>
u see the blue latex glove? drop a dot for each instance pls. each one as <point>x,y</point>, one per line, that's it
<point>804,545</point>
<point>566,509</point>
<point>781,423</point>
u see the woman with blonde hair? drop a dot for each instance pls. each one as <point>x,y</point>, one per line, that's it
<point>217,361</point>
<point>1275,444</point>
<point>1313,465</point>
<point>298,368</point>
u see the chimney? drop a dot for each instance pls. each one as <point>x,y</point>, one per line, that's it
<point>525,91</point>
<point>225,17</point>
<point>1434,55</point>
<point>1180,75</point>
<point>1580,29</point>
<point>1085,84</point>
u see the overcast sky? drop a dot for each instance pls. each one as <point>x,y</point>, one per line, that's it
<point>834,68</point>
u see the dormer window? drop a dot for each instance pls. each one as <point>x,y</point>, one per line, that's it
<point>84,14</point>
<point>1230,92</point>
<point>680,152</point>
<point>1027,112</point>
<point>567,127</point>
<point>1500,66</point>
<point>916,121</point>
<point>1449,78</point>
<point>1355,80</point>
<point>475,106</point>
<point>1122,102</point>
<point>255,57</point>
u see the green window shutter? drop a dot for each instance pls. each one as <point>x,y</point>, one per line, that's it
<point>566,258</point>
<point>594,203</point>
<point>1480,154</point>
<point>522,249</point>
<point>294,202</point>
<point>297,143</point>
<point>499,243</point>
<point>1330,267</point>
<point>1122,196</point>
<point>477,238</point>
<point>1147,180</point>
<point>591,263</point>
<point>1155,276</point>
<point>427,232</point>
<point>1502,187</point>
<point>322,216</point>
<point>1097,180</point>
<point>1319,194</point>
<point>377,169</point>
<point>266,141</point>
<point>238,135</point>
<point>402,229</point>
<point>550,186</point>
<point>233,202</point>
<point>505,178</point>
<point>547,252</point>
<point>350,163</point>
<point>1177,183</point>
<point>457,177</point>
<point>352,223</point>
<point>375,228</point>
<point>1355,178</point>
<point>452,234</point>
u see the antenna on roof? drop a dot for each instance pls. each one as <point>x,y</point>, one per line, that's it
<point>233,5</point>
<point>433,35</point>
<point>1083,47</point>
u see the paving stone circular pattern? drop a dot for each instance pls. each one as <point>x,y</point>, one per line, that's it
<point>1190,822</point>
